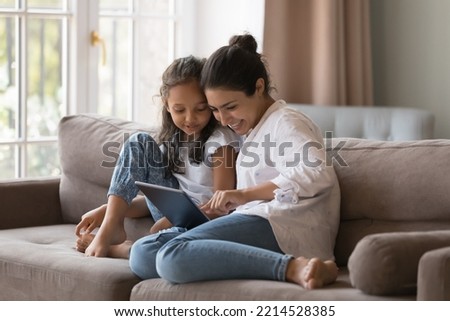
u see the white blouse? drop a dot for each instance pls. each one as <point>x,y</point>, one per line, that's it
<point>287,148</point>
<point>197,179</point>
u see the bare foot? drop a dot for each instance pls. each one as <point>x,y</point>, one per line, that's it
<point>107,235</point>
<point>161,224</point>
<point>311,273</point>
<point>83,242</point>
<point>120,251</point>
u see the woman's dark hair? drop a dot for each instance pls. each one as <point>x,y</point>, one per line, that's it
<point>236,67</point>
<point>181,71</point>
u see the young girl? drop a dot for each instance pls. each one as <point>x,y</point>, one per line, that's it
<point>195,154</point>
<point>287,199</point>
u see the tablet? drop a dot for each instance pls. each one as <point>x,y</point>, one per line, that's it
<point>174,204</point>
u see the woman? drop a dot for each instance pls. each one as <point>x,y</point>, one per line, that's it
<point>286,205</point>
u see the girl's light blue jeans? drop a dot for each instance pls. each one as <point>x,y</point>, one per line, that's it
<point>140,160</point>
<point>235,246</point>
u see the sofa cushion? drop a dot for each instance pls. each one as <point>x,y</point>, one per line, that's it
<point>433,280</point>
<point>390,186</point>
<point>41,263</point>
<point>387,263</point>
<point>394,181</point>
<point>89,146</point>
<point>250,290</point>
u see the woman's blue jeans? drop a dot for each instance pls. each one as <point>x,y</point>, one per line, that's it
<point>235,246</point>
<point>140,160</point>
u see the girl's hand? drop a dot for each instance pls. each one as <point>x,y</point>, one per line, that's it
<point>222,202</point>
<point>90,221</point>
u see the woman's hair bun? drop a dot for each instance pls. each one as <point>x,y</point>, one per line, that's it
<point>245,41</point>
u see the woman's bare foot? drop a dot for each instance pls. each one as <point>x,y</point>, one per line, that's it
<point>83,242</point>
<point>311,273</point>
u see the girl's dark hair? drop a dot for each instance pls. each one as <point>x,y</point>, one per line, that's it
<point>236,67</point>
<point>181,71</point>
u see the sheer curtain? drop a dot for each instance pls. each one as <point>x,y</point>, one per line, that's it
<point>318,51</point>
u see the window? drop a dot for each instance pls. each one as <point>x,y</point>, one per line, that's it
<point>49,67</point>
<point>33,85</point>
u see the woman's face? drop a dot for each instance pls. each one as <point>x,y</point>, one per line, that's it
<point>235,109</point>
<point>188,108</point>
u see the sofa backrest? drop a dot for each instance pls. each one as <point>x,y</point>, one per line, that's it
<point>386,186</point>
<point>389,186</point>
<point>377,123</point>
<point>89,146</point>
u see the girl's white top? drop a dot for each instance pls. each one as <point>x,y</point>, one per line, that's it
<point>287,148</point>
<point>197,180</point>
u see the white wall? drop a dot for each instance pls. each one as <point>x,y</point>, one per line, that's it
<point>411,56</point>
<point>410,46</point>
<point>213,22</point>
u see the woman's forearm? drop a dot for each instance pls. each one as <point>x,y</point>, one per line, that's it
<point>260,192</point>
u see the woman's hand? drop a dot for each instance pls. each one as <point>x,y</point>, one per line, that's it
<point>222,202</point>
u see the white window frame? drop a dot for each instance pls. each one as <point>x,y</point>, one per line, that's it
<point>21,140</point>
<point>80,64</point>
<point>85,58</point>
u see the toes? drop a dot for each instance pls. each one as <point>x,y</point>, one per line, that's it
<point>310,270</point>
<point>315,272</point>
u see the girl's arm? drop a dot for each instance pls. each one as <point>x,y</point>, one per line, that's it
<point>224,168</point>
<point>224,172</point>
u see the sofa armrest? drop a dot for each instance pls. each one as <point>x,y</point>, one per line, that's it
<point>29,202</point>
<point>387,263</point>
<point>433,281</point>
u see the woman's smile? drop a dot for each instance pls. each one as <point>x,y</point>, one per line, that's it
<point>235,126</point>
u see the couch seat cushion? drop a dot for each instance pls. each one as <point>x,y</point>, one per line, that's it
<point>41,263</point>
<point>249,290</point>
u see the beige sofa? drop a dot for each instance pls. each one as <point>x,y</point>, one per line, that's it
<point>395,207</point>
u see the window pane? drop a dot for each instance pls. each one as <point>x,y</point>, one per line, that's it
<point>115,77</point>
<point>7,161</point>
<point>8,86</point>
<point>7,4</point>
<point>154,7</point>
<point>153,52</point>
<point>45,4</point>
<point>116,5</point>
<point>43,160</point>
<point>45,87</point>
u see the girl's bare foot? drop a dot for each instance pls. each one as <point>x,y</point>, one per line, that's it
<point>120,251</point>
<point>104,238</point>
<point>311,273</point>
<point>161,224</point>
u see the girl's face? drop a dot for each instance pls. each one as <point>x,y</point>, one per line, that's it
<point>237,110</point>
<point>188,108</point>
